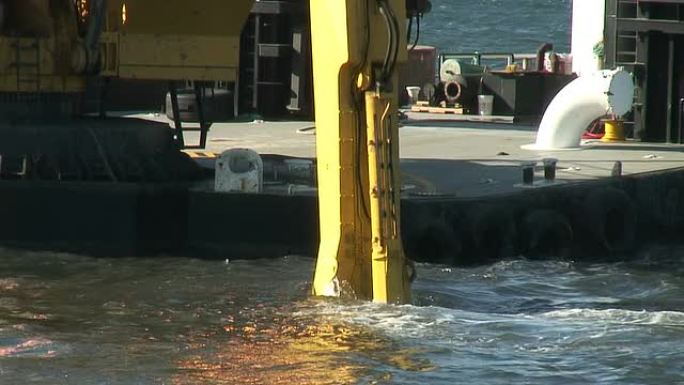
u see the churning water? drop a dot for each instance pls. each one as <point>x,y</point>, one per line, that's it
<point>78,320</point>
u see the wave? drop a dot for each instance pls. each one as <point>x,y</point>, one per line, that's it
<point>619,316</point>
<point>34,347</point>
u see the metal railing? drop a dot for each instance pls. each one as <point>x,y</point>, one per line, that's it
<point>527,61</point>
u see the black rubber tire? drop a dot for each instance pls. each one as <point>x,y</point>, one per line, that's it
<point>435,242</point>
<point>494,235</point>
<point>546,234</point>
<point>610,218</point>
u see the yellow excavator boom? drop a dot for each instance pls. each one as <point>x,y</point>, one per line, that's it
<point>357,47</point>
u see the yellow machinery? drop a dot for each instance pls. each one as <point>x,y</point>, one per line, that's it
<point>37,41</point>
<point>357,47</point>
<point>173,39</point>
<point>53,44</point>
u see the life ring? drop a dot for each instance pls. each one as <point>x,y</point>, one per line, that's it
<point>610,217</point>
<point>547,233</point>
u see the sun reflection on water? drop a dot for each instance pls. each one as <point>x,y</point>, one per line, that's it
<point>295,349</point>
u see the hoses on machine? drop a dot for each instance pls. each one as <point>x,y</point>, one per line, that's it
<point>416,9</point>
<point>409,29</point>
<point>360,119</point>
<point>415,42</point>
<point>96,24</point>
<point>392,52</point>
<point>397,41</point>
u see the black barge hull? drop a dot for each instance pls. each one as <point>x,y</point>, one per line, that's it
<point>602,219</point>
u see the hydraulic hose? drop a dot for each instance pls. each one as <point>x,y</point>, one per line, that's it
<point>396,38</point>
<point>382,4</point>
<point>360,119</point>
<point>96,24</point>
<point>409,29</point>
<point>415,42</point>
<point>392,52</point>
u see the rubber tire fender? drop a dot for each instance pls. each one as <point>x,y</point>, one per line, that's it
<point>610,218</point>
<point>494,234</point>
<point>434,242</point>
<point>546,233</point>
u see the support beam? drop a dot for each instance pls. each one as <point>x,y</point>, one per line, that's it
<point>646,25</point>
<point>178,125</point>
<point>349,43</point>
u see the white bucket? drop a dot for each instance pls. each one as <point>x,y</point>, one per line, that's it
<point>413,93</point>
<point>485,104</point>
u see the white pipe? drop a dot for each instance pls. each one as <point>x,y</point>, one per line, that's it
<point>584,100</point>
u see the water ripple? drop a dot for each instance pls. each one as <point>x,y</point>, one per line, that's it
<point>180,321</point>
<point>619,316</point>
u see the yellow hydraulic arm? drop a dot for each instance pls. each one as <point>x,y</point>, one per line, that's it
<point>357,47</point>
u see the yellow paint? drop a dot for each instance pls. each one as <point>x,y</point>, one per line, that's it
<point>614,131</point>
<point>345,263</point>
<point>174,39</point>
<point>40,61</point>
<point>177,57</point>
<point>46,69</point>
<point>390,282</point>
<point>142,39</point>
<point>200,154</point>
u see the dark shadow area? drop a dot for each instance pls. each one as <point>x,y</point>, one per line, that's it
<point>461,178</point>
<point>446,123</point>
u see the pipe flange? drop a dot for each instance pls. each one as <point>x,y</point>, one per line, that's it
<point>453,91</point>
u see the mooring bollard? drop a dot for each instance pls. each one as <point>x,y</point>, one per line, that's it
<point>528,172</point>
<point>617,170</point>
<point>239,170</point>
<point>550,169</point>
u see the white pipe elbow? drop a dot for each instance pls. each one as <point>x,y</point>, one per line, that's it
<point>584,100</point>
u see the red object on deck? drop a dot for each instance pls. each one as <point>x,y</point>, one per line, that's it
<point>595,131</point>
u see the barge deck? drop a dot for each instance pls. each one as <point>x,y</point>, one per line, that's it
<point>463,200</point>
<point>462,159</point>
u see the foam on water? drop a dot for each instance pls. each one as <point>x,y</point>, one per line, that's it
<point>619,316</point>
<point>31,347</point>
